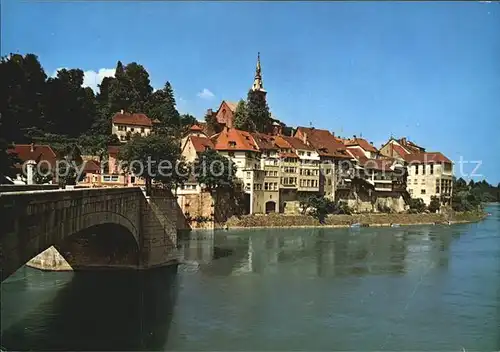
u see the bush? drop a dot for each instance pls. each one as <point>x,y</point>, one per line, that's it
<point>383,208</point>
<point>321,207</point>
<point>418,205</point>
<point>434,205</point>
<point>343,209</point>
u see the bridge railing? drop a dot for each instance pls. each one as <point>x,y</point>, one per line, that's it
<point>24,188</point>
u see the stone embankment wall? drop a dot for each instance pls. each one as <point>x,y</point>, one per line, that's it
<point>281,220</point>
<point>215,207</point>
<point>362,202</point>
<point>50,259</point>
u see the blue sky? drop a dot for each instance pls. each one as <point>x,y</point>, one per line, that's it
<point>428,71</point>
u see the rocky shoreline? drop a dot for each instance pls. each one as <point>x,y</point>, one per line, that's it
<point>343,221</point>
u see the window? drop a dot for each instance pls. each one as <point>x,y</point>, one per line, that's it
<point>308,153</point>
<point>132,179</point>
<point>423,169</point>
<point>415,181</point>
<point>431,170</point>
<point>142,129</point>
<point>266,186</point>
<point>416,169</point>
<point>248,174</point>
<point>232,143</point>
<point>301,153</point>
<point>422,191</point>
<point>120,128</point>
<point>122,138</point>
<point>230,154</point>
<point>131,129</point>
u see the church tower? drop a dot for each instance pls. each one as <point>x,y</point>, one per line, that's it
<point>258,85</point>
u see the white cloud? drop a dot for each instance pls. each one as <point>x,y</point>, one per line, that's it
<point>206,94</point>
<point>92,78</point>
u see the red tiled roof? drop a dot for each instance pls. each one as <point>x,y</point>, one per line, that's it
<point>412,147</point>
<point>356,153</point>
<point>132,119</point>
<point>324,142</point>
<point>92,167</point>
<point>363,143</point>
<point>201,143</point>
<point>264,141</point>
<point>196,128</point>
<point>427,158</point>
<point>231,105</point>
<point>296,143</point>
<point>401,151</point>
<point>39,153</point>
<point>288,155</point>
<point>233,139</point>
<point>282,143</point>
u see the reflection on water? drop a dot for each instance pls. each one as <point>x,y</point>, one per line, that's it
<point>89,311</point>
<point>414,288</point>
<point>321,252</point>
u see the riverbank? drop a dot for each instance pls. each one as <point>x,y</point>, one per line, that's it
<point>365,220</point>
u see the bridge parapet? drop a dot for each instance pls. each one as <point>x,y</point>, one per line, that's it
<point>37,220</point>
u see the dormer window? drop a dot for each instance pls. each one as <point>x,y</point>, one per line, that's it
<point>232,143</point>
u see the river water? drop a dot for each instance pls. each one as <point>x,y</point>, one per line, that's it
<point>432,288</point>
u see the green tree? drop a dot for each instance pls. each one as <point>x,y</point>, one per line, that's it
<point>153,157</point>
<point>162,107</point>
<point>321,207</point>
<point>69,109</point>
<point>130,90</point>
<point>434,205</point>
<point>8,159</point>
<point>241,120</point>
<point>417,205</point>
<point>258,111</point>
<point>188,120</point>
<point>214,171</point>
<point>212,124</point>
<point>102,124</point>
<point>22,85</point>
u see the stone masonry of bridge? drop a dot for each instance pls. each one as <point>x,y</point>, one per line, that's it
<point>81,228</point>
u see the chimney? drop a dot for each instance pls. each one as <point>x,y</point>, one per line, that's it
<point>32,147</point>
<point>209,112</point>
<point>403,141</point>
<point>354,136</point>
<point>304,138</point>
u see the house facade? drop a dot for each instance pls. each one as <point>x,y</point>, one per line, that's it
<point>335,168</point>
<point>125,125</point>
<point>240,147</point>
<point>430,174</point>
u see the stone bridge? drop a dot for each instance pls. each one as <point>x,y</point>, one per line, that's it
<point>63,229</point>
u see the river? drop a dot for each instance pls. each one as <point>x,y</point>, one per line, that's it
<point>409,288</point>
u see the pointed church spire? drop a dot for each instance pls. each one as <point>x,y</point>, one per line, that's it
<point>257,82</point>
